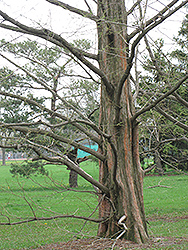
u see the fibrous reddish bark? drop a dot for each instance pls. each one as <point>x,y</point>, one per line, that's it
<point>121,172</point>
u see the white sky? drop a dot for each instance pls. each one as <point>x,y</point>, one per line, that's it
<point>73,26</point>
<point>47,15</point>
<point>63,22</point>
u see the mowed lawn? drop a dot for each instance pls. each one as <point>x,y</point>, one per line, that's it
<point>20,198</point>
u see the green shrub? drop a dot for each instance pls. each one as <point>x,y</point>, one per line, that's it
<point>28,168</point>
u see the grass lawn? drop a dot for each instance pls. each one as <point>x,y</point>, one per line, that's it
<point>166,208</point>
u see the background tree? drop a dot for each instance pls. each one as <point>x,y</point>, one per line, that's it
<point>120,182</point>
<point>162,139</point>
<point>12,110</point>
<point>44,62</point>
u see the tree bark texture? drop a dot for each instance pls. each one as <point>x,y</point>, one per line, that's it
<point>3,157</point>
<point>73,176</point>
<point>159,167</point>
<point>121,172</point>
<point>73,179</point>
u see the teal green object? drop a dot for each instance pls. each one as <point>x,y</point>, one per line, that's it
<point>81,153</point>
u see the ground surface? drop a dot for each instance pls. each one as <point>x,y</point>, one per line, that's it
<point>107,244</point>
<point>104,244</point>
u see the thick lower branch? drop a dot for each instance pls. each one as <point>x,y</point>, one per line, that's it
<point>70,164</point>
<point>51,112</point>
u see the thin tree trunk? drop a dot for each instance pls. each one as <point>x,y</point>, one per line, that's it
<point>73,179</point>
<point>159,167</point>
<point>122,172</point>
<point>3,157</point>
<point>73,176</point>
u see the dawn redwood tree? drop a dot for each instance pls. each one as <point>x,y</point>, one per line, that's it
<point>120,182</point>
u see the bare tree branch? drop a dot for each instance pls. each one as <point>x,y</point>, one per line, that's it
<point>135,43</point>
<point>54,136</point>
<point>89,122</point>
<point>166,115</point>
<point>154,18</point>
<point>170,165</point>
<point>147,170</point>
<point>14,146</point>
<point>45,86</point>
<point>174,140</point>
<point>153,104</point>
<point>51,112</point>
<point>89,8</point>
<point>159,185</point>
<point>6,77</point>
<point>64,160</point>
<point>45,34</point>
<point>163,142</point>
<point>53,218</point>
<point>180,99</point>
<point>75,10</point>
<point>58,40</point>
<point>133,7</point>
<point>172,119</point>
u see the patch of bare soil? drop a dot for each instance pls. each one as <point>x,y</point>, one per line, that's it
<point>106,244</point>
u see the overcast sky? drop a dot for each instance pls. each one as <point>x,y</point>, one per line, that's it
<point>72,26</point>
<point>62,21</point>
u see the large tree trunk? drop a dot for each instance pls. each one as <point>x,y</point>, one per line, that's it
<point>121,172</point>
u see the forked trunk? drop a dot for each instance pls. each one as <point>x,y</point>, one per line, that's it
<point>122,172</point>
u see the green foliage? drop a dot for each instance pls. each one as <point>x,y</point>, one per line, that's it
<point>28,168</point>
<point>82,44</point>
<point>33,49</point>
<point>182,38</point>
<point>15,110</point>
<point>48,64</point>
<point>42,82</point>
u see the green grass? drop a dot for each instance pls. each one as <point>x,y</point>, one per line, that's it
<point>161,200</point>
<point>163,207</point>
<point>166,207</point>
